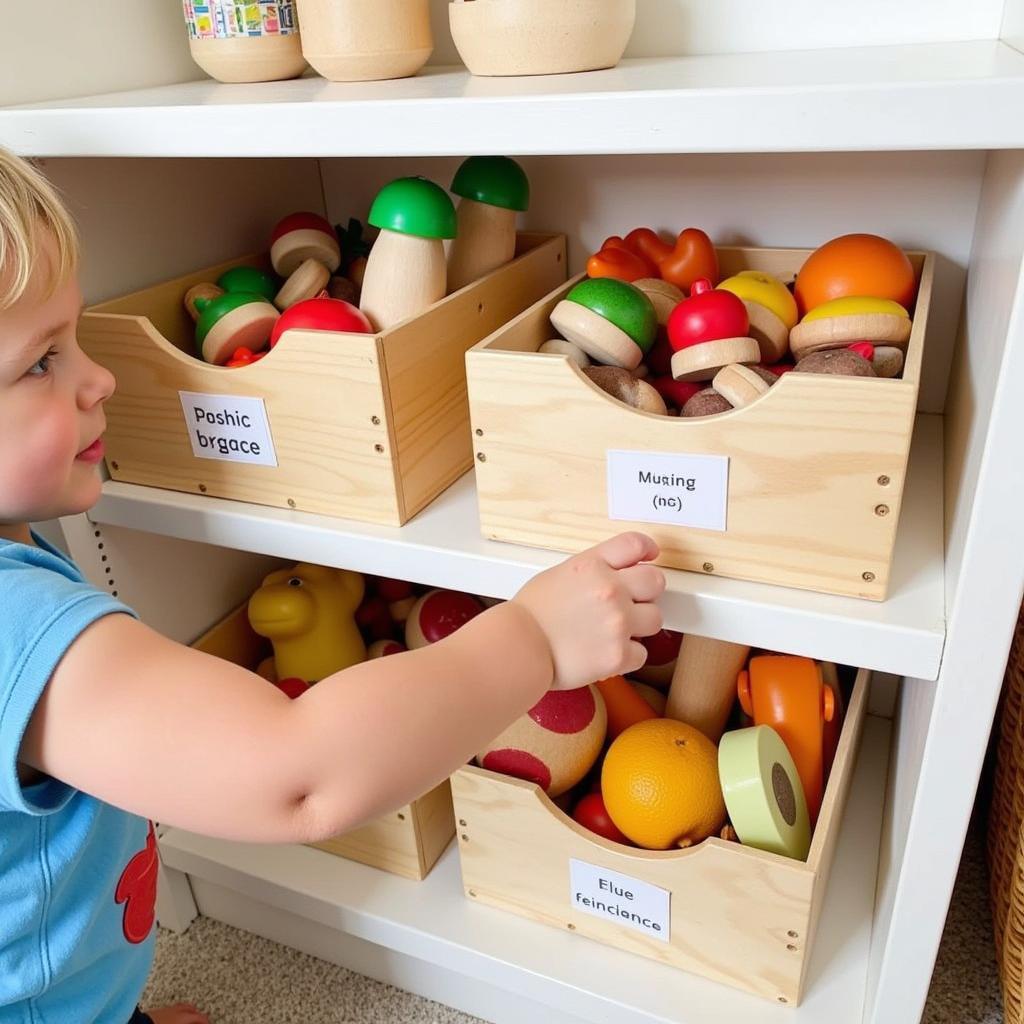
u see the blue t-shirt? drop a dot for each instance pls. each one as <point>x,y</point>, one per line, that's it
<point>77,876</point>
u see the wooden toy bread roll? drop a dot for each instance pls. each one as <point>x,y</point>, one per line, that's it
<point>559,346</point>
<point>308,279</point>
<point>739,385</point>
<point>703,687</point>
<point>623,386</point>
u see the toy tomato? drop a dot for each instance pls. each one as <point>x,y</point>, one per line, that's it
<point>244,356</point>
<point>591,814</point>
<point>709,314</point>
<point>693,257</point>
<point>621,264</point>
<point>322,314</point>
<point>648,244</point>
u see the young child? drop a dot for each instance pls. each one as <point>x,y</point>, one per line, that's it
<point>105,724</point>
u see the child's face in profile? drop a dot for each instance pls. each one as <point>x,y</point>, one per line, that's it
<point>51,406</point>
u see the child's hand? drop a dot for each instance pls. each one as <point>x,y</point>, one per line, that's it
<point>592,605</point>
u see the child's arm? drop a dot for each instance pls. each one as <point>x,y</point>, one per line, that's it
<point>188,739</point>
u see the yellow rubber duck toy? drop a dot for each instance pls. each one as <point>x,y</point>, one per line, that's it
<point>307,613</point>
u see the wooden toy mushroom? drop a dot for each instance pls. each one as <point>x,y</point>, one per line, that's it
<point>771,310</point>
<point>612,321</point>
<point>561,347</point>
<point>205,291</point>
<point>248,279</point>
<point>306,281</point>
<point>664,296</point>
<point>231,321</point>
<point>708,331</point>
<point>303,236</point>
<point>437,614</point>
<point>740,385</point>
<point>853,318</point>
<point>406,272</point>
<point>626,388</point>
<point>492,190</point>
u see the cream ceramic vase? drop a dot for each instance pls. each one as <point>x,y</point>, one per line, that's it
<point>364,40</point>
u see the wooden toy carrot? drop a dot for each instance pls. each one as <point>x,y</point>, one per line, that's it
<point>624,705</point>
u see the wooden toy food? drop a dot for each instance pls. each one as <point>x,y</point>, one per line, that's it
<point>205,291</point>
<point>231,321</point>
<point>292,686</point>
<point>656,698</point>
<point>307,613</point>
<point>708,331</point>
<point>740,385</point>
<point>648,244</point>
<point>664,296</point>
<point>302,236</point>
<point>307,280</point>
<point>692,258</point>
<point>407,272</point>
<point>248,279</point>
<point>383,649</point>
<point>437,614</point>
<point>763,793</point>
<point>493,189</point>
<point>703,689</point>
<point>321,314</point>
<point>841,361</point>
<point>612,321</point>
<point>343,288</point>
<point>707,402</point>
<point>834,725</point>
<point>592,814</point>
<point>244,357</point>
<point>887,361</point>
<point>788,694</point>
<point>615,259</point>
<point>771,309</point>
<point>660,785</point>
<point>561,347</point>
<point>839,322</point>
<point>623,386</point>
<point>373,618</point>
<point>662,653</point>
<point>554,744</point>
<point>624,705</point>
<point>677,392</point>
<point>856,264</point>
<point>252,42</point>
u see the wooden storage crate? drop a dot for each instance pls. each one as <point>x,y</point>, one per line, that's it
<point>407,842</point>
<point>368,427</point>
<point>816,467</point>
<point>737,915</point>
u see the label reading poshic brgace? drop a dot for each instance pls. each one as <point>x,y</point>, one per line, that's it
<point>669,487</point>
<point>616,897</point>
<point>228,428</point>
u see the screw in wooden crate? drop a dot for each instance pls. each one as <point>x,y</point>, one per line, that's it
<point>480,307</point>
<point>401,816</point>
<point>478,432</point>
<point>571,926</point>
<point>202,488</point>
<point>471,892</point>
<point>881,510</point>
<point>379,449</point>
<point>783,999</point>
<point>791,947</point>
<point>868,577</point>
<point>114,466</point>
<point>480,457</point>
<point>708,567</point>
<point>883,481</point>
<point>375,420</point>
<point>462,822</point>
<point>793,935</point>
<point>291,502</point>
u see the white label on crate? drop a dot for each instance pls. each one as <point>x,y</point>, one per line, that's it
<point>619,898</point>
<point>228,428</point>
<point>666,487</point>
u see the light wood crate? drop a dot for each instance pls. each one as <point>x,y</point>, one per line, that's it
<point>367,427</point>
<point>739,916</point>
<point>816,466</point>
<point>407,842</point>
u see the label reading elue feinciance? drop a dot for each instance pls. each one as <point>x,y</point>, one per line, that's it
<point>231,19</point>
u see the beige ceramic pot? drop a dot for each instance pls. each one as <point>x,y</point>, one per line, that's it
<point>364,40</point>
<point>540,37</point>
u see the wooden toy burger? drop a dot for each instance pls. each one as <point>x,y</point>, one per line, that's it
<point>232,321</point>
<point>771,310</point>
<point>492,190</point>
<point>789,694</point>
<point>709,331</point>
<point>303,236</point>
<point>612,321</point>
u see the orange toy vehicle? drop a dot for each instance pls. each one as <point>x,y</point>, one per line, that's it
<point>789,694</point>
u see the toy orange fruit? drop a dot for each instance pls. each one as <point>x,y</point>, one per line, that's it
<point>855,265</point>
<point>660,785</point>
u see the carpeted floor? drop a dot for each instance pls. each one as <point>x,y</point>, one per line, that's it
<point>242,979</point>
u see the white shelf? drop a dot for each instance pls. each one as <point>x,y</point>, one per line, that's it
<point>443,547</point>
<point>956,95</point>
<point>433,921</point>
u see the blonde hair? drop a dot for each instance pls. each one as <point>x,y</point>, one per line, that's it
<point>28,203</point>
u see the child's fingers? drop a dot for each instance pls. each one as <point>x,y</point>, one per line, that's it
<point>636,657</point>
<point>645,620</point>
<point>626,549</point>
<point>643,582</point>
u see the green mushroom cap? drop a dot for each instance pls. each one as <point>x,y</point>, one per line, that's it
<point>493,180</point>
<point>621,304</point>
<point>211,311</point>
<point>414,206</point>
<point>249,279</point>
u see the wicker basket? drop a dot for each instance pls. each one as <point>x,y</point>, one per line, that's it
<point>1005,835</point>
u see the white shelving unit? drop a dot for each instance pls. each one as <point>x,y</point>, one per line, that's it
<point>773,148</point>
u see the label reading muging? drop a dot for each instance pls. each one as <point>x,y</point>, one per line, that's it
<point>669,487</point>
<point>228,428</point>
<point>612,896</point>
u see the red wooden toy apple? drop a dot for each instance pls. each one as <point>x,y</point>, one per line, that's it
<point>300,237</point>
<point>709,330</point>
<point>590,812</point>
<point>374,619</point>
<point>438,614</point>
<point>677,392</point>
<point>321,314</point>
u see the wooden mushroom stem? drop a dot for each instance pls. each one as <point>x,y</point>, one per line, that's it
<point>703,687</point>
<point>405,275</point>
<point>486,240</point>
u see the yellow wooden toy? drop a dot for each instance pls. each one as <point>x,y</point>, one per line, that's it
<point>307,614</point>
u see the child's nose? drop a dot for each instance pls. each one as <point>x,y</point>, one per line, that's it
<point>98,385</point>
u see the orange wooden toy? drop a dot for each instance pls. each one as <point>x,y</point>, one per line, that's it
<point>625,705</point>
<point>788,694</point>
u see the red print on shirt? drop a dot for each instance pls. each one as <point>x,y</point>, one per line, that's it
<point>136,889</point>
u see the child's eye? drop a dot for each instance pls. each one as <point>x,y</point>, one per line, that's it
<point>41,367</point>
